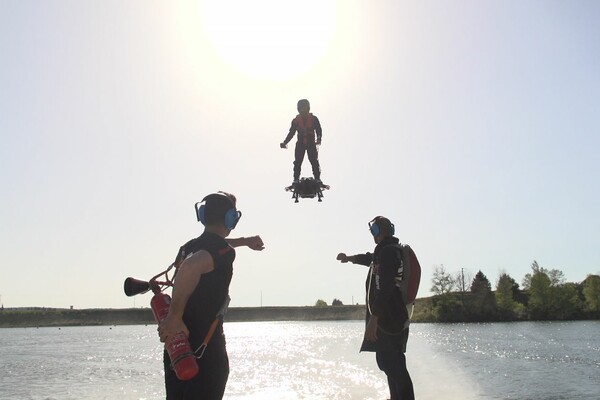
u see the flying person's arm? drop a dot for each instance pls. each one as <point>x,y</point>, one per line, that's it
<point>362,259</point>
<point>318,130</point>
<point>290,134</point>
<point>253,242</point>
<point>188,275</point>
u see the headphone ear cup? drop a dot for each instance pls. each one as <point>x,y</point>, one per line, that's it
<point>201,212</point>
<point>231,218</point>
<point>374,229</point>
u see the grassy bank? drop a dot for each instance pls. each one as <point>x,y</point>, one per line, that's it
<point>38,317</point>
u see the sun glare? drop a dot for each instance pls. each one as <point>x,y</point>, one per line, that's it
<point>270,39</point>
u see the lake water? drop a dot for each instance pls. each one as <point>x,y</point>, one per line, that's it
<point>312,360</point>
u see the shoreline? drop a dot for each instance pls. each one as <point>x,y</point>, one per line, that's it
<point>52,317</point>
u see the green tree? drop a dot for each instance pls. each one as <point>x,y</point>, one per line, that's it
<point>565,303</point>
<point>556,276</point>
<point>337,302</point>
<point>446,307</point>
<point>535,268</point>
<point>505,292</point>
<point>320,303</point>
<point>480,283</point>
<point>549,296</point>
<point>442,282</point>
<point>540,295</point>
<point>462,279</point>
<point>483,305</point>
<point>591,292</point>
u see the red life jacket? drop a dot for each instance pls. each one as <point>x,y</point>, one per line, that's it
<point>306,127</point>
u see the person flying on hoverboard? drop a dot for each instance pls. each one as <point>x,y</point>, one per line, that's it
<point>309,137</point>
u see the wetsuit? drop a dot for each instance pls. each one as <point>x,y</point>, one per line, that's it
<point>200,311</point>
<point>384,299</point>
<point>306,127</point>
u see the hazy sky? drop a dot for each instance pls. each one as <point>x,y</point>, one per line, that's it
<point>473,125</point>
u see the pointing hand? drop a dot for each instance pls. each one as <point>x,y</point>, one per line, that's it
<point>255,243</point>
<point>342,257</point>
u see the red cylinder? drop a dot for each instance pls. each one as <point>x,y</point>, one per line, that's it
<point>180,352</point>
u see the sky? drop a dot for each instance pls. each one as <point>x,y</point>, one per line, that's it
<point>473,125</point>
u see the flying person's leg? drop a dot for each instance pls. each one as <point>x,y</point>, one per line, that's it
<point>299,157</point>
<point>313,157</point>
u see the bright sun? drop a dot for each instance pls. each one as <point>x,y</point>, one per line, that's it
<point>270,39</point>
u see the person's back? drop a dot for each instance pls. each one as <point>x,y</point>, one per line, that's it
<point>200,297</point>
<point>212,290</point>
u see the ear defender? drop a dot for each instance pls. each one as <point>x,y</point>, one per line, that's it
<point>200,213</point>
<point>232,216</point>
<point>376,229</point>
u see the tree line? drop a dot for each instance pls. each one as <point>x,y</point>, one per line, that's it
<point>544,295</point>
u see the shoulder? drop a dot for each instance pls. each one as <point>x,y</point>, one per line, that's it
<point>218,248</point>
<point>213,244</point>
<point>201,261</point>
<point>391,252</point>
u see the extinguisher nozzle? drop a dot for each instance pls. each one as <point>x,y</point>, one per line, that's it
<point>134,286</point>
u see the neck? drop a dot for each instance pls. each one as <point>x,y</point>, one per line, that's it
<point>382,238</point>
<point>217,230</point>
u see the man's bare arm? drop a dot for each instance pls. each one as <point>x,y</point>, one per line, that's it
<point>188,275</point>
<point>253,242</point>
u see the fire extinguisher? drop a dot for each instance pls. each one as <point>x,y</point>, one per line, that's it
<point>180,352</point>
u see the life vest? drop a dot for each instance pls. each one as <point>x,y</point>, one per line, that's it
<point>407,279</point>
<point>306,128</point>
<point>409,274</point>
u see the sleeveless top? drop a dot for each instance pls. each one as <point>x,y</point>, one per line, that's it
<point>212,290</point>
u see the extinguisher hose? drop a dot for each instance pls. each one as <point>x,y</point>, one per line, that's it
<point>199,352</point>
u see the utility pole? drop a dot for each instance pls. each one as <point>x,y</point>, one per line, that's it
<point>462,281</point>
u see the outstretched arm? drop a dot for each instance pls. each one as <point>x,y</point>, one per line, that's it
<point>253,242</point>
<point>362,259</point>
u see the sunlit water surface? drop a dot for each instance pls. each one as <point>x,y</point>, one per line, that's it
<point>311,360</point>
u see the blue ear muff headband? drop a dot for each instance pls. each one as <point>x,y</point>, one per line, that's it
<point>232,216</point>
<point>376,229</point>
